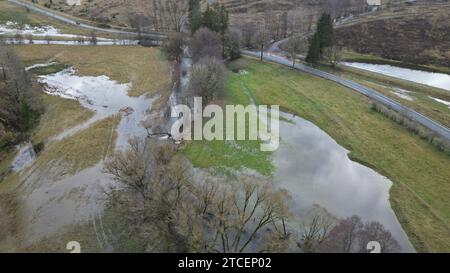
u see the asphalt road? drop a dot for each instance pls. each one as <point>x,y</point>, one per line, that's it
<point>372,94</point>
<point>49,13</point>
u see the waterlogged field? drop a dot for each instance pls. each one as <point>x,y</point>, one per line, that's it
<point>61,191</point>
<point>121,63</point>
<point>13,13</point>
<point>418,170</point>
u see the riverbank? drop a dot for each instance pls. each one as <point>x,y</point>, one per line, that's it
<point>417,169</point>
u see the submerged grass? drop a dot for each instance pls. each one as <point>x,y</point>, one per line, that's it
<point>419,171</point>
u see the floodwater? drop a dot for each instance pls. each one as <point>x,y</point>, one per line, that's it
<point>14,28</point>
<point>41,32</point>
<point>24,158</point>
<point>103,96</point>
<point>442,101</point>
<point>70,42</point>
<point>439,80</point>
<point>53,202</point>
<point>401,93</point>
<point>316,170</point>
<point>49,206</point>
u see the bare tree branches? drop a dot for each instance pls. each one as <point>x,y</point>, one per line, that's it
<point>165,206</point>
<point>208,79</point>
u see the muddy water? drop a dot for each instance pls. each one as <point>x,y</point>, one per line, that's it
<point>316,170</point>
<point>438,80</point>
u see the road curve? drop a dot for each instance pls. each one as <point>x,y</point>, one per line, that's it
<point>49,13</point>
<point>372,94</point>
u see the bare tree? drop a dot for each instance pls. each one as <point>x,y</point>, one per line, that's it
<point>48,39</point>
<point>206,43</point>
<point>352,235</point>
<point>315,230</point>
<point>208,79</point>
<point>375,232</point>
<point>93,38</point>
<point>243,211</point>
<point>332,55</point>
<point>261,39</point>
<point>177,11</point>
<point>141,166</point>
<point>167,211</point>
<point>248,31</point>
<point>140,22</point>
<point>173,46</point>
<point>295,45</point>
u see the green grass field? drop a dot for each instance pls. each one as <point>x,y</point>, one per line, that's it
<point>418,170</point>
<point>226,156</point>
<point>420,93</point>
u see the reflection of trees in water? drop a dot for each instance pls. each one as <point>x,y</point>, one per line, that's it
<point>324,233</point>
<point>165,207</point>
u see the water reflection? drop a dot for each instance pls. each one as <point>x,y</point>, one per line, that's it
<point>316,170</point>
<point>438,80</point>
<point>105,97</point>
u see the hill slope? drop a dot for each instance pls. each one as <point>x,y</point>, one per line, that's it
<point>412,33</point>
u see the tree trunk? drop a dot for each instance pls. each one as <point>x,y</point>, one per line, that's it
<point>262,52</point>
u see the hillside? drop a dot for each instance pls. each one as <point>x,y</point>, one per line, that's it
<point>118,12</point>
<point>411,33</point>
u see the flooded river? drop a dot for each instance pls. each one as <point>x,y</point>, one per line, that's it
<point>316,170</point>
<point>439,80</point>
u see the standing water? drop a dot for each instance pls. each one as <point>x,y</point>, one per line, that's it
<point>316,170</point>
<point>105,97</point>
<point>24,158</point>
<point>438,80</point>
